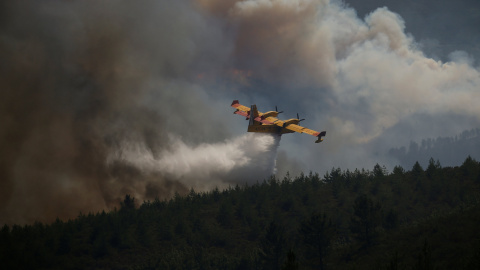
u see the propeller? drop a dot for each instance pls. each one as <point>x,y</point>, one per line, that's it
<point>299,120</point>
<point>277,110</point>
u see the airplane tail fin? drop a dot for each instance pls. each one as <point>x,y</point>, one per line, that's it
<point>254,111</point>
<point>319,136</point>
<point>253,114</point>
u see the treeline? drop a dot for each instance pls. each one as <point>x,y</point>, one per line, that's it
<point>362,219</point>
<point>452,149</point>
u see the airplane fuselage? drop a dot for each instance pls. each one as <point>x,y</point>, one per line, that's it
<point>268,129</point>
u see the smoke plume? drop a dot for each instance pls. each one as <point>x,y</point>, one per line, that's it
<point>99,100</point>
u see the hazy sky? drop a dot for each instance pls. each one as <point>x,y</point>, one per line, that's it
<point>103,99</point>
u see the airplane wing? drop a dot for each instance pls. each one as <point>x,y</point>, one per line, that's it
<point>239,106</point>
<point>301,129</point>
<point>241,110</point>
<point>269,120</point>
<point>245,111</point>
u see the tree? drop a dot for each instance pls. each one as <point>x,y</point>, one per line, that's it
<point>225,216</point>
<point>424,260</point>
<point>316,233</point>
<point>334,175</point>
<point>391,220</point>
<point>379,171</point>
<point>398,170</point>
<point>367,218</point>
<point>291,263</point>
<point>273,246</point>
<point>433,168</point>
<point>469,168</point>
<point>128,203</point>
<point>417,171</point>
<point>216,194</point>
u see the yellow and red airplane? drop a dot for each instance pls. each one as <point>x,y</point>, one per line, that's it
<point>269,123</point>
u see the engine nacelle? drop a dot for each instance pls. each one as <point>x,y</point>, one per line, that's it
<point>291,121</point>
<point>270,114</point>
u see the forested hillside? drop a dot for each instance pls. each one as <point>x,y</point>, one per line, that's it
<point>421,218</point>
<point>451,149</point>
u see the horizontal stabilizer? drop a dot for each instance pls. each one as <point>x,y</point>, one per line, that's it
<point>319,136</point>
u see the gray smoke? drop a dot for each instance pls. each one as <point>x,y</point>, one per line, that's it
<point>99,100</point>
<point>81,80</point>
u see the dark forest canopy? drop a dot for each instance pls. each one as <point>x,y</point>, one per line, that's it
<point>422,218</point>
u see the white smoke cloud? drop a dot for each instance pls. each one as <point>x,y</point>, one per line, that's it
<point>386,79</point>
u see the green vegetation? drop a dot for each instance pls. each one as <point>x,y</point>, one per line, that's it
<point>416,219</point>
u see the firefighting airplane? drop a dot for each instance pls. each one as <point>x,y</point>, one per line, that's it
<point>269,123</point>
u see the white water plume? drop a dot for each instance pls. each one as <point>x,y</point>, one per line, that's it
<point>244,159</point>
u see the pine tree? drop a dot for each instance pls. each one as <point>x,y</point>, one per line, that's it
<point>316,233</point>
<point>273,246</point>
<point>367,218</point>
